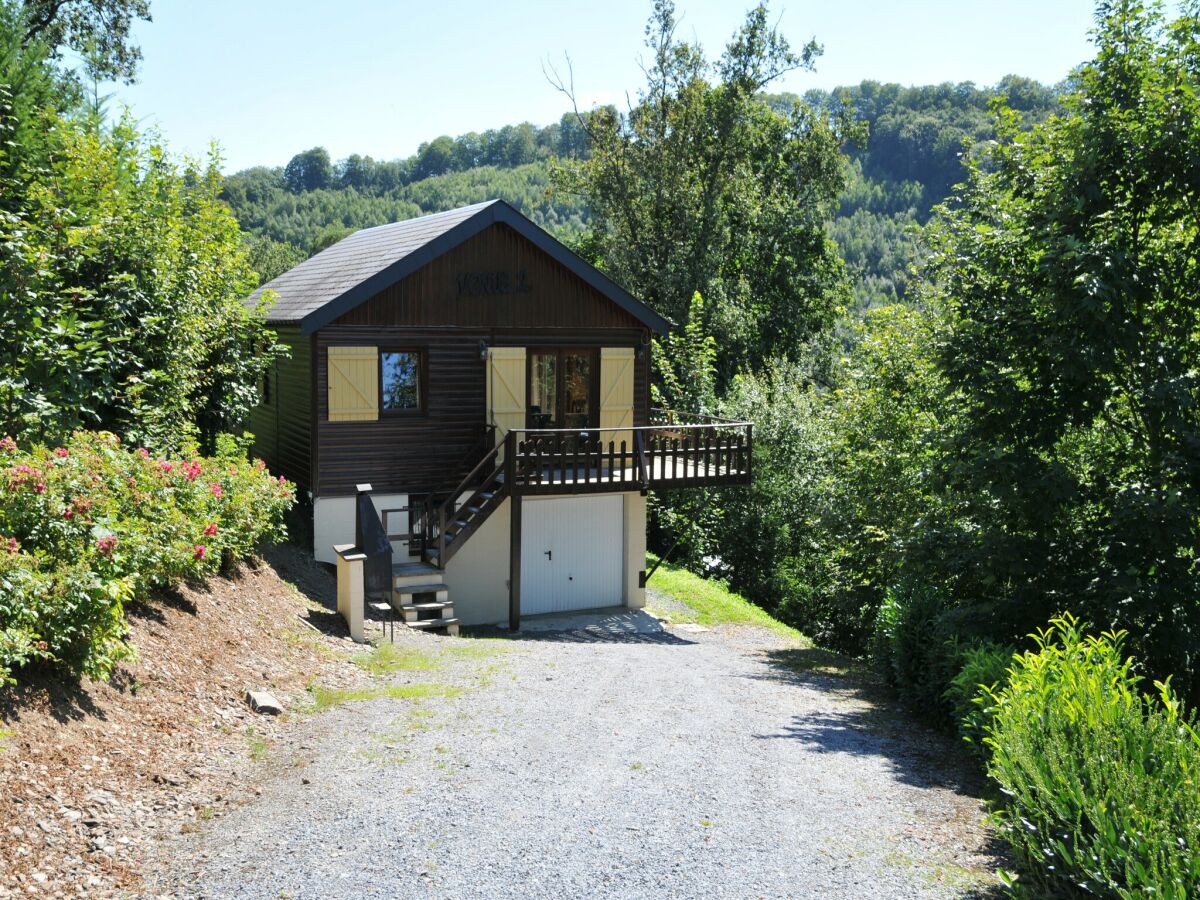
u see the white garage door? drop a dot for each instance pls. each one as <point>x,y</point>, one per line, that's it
<point>572,554</point>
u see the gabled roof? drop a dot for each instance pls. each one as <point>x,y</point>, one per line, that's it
<point>342,276</point>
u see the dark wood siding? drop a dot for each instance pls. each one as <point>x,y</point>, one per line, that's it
<point>283,427</point>
<point>430,297</point>
<point>413,454</point>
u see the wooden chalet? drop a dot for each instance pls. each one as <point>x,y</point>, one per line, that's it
<point>493,388</point>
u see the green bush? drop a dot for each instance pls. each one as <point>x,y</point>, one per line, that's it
<point>1100,780</point>
<point>923,653</point>
<point>89,526</point>
<point>983,671</point>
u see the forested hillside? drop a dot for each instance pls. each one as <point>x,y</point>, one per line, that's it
<point>911,158</point>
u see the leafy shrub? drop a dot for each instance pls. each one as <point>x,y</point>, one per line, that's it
<point>1100,780</point>
<point>87,527</point>
<point>983,671</point>
<point>923,653</point>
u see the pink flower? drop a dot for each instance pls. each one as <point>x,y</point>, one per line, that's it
<point>259,464</point>
<point>23,470</point>
<point>143,453</point>
<point>165,466</point>
<point>106,545</point>
<point>62,452</point>
<point>192,470</point>
<point>217,490</point>
<point>210,530</point>
<point>39,488</point>
<point>12,545</point>
<point>200,551</point>
<point>68,513</point>
<point>8,445</point>
<point>282,480</point>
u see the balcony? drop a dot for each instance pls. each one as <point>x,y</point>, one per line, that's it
<point>677,450</point>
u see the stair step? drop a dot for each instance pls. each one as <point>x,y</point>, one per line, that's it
<point>409,569</point>
<point>427,607</point>
<point>486,495</point>
<point>429,588</point>
<point>419,574</point>
<point>473,510</point>
<point>433,623</point>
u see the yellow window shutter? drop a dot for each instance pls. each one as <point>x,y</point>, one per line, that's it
<point>353,384</point>
<point>616,394</point>
<point>506,389</point>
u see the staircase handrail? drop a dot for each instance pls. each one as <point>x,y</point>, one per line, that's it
<point>448,508</point>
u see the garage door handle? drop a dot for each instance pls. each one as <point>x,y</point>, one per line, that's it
<point>549,555</point>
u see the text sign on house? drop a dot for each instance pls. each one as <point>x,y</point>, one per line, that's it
<point>479,284</point>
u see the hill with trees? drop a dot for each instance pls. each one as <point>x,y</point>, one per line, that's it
<point>909,160</point>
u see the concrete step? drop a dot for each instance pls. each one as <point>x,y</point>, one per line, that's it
<point>427,607</point>
<point>429,588</point>
<point>408,573</point>
<point>450,624</point>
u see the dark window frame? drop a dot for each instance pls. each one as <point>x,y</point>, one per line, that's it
<point>421,409</point>
<point>559,375</point>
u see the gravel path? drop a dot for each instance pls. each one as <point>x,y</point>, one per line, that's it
<point>613,758</point>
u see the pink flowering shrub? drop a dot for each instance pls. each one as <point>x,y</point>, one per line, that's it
<point>89,527</point>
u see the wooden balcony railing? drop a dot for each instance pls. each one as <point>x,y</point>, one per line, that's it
<point>676,450</point>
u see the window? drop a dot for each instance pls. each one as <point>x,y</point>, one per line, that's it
<point>400,380</point>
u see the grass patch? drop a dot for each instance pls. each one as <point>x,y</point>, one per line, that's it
<point>712,603</point>
<point>466,646</point>
<point>388,657</point>
<point>257,744</point>
<point>325,697</point>
<point>5,734</point>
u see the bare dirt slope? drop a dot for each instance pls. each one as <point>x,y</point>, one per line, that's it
<point>92,775</point>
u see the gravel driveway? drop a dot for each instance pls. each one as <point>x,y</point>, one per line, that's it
<point>601,756</point>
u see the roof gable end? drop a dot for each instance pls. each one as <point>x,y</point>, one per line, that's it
<point>330,284</point>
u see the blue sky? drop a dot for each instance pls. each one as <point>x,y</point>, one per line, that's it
<point>268,78</point>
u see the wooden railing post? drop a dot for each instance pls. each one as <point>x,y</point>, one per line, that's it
<point>750,451</point>
<point>442,536</point>
<point>643,475</point>
<point>514,535</point>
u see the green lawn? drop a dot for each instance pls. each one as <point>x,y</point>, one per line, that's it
<point>710,602</point>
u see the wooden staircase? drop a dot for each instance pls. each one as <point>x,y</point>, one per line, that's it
<point>451,523</point>
<point>420,594</point>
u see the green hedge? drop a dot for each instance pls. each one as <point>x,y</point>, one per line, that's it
<point>87,527</point>
<point>1101,782</point>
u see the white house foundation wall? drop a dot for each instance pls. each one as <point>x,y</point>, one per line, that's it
<point>478,574</point>
<point>333,523</point>
<point>635,550</point>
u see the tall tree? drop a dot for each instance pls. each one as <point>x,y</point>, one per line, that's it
<point>311,170</point>
<point>1071,266</point>
<point>97,30</point>
<point>703,186</point>
<point>122,281</point>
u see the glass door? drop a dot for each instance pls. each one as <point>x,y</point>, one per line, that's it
<point>577,390</point>
<point>562,389</point>
<point>543,390</point>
